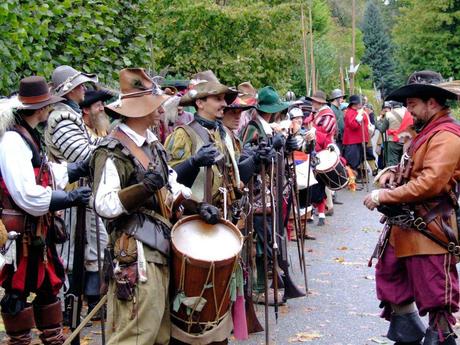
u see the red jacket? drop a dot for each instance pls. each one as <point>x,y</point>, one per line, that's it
<point>353,131</point>
<point>325,122</point>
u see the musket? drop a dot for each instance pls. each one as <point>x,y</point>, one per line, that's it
<point>297,222</point>
<point>252,321</point>
<point>101,273</point>
<point>311,156</point>
<point>77,285</point>
<point>275,230</point>
<point>290,289</point>
<point>265,250</point>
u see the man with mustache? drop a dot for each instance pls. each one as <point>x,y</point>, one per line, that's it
<point>418,249</point>
<point>96,120</point>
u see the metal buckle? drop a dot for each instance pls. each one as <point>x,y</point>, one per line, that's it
<point>419,223</point>
<point>453,249</point>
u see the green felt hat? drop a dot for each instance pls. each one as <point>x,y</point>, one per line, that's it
<point>269,101</point>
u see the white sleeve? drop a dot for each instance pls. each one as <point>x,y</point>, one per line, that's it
<point>176,187</point>
<point>59,172</point>
<point>18,175</point>
<point>106,201</point>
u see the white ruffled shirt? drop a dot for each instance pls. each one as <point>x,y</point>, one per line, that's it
<point>106,201</point>
<point>18,174</point>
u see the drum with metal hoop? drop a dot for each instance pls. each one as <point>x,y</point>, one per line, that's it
<point>204,259</point>
<point>330,170</point>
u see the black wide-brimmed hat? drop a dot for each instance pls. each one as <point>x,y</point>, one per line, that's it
<point>93,96</point>
<point>34,93</point>
<point>425,84</point>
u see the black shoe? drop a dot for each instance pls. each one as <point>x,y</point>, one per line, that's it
<point>336,202</point>
<point>309,237</point>
<point>321,222</point>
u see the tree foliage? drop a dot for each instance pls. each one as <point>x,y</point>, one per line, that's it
<point>378,53</point>
<point>428,36</point>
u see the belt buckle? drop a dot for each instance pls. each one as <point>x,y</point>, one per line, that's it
<point>419,223</point>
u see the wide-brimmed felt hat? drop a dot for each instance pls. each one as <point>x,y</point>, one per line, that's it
<point>239,103</point>
<point>337,93</point>
<point>139,97</point>
<point>66,78</point>
<point>247,93</point>
<point>269,101</point>
<point>426,84</point>
<point>93,96</point>
<point>204,84</point>
<point>319,96</point>
<point>34,93</point>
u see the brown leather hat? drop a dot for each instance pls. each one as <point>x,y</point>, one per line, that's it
<point>205,84</point>
<point>139,96</point>
<point>34,93</point>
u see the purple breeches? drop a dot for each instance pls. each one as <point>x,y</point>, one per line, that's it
<point>429,280</point>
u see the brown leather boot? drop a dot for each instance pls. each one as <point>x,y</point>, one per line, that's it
<point>18,326</point>
<point>49,322</point>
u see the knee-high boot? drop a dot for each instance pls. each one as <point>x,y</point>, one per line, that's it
<point>49,321</point>
<point>18,326</point>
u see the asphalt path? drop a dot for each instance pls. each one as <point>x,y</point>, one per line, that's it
<point>340,308</point>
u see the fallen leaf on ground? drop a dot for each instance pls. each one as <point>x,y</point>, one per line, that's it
<point>304,337</point>
<point>339,260</point>
<point>369,277</point>
<point>343,248</point>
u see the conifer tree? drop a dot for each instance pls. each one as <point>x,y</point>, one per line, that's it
<point>378,50</point>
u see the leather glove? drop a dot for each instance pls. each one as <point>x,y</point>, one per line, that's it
<point>278,141</point>
<point>78,169</point>
<point>292,144</point>
<point>209,213</point>
<point>153,181</point>
<point>205,156</point>
<point>264,154</point>
<point>61,200</point>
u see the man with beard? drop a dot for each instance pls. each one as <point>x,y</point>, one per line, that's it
<point>96,120</point>
<point>28,204</point>
<point>97,125</point>
<point>418,250</point>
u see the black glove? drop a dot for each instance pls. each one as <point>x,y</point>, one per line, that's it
<point>153,181</point>
<point>291,144</point>
<point>209,213</point>
<point>61,200</point>
<point>205,156</point>
<point>78,169</point>
<point>278,141</point>
<point>264,154</point>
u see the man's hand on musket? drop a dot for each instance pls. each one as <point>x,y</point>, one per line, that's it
<point>371,201</point>
<point>386,178</point>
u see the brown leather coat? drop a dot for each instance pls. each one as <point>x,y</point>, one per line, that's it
<point>436,167</point>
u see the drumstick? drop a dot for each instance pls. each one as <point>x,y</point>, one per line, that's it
<point>208,185</point>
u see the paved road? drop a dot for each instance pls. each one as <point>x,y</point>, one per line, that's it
<point>340,308</point>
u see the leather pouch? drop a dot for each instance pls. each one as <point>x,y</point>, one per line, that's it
<point>126,280</point>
